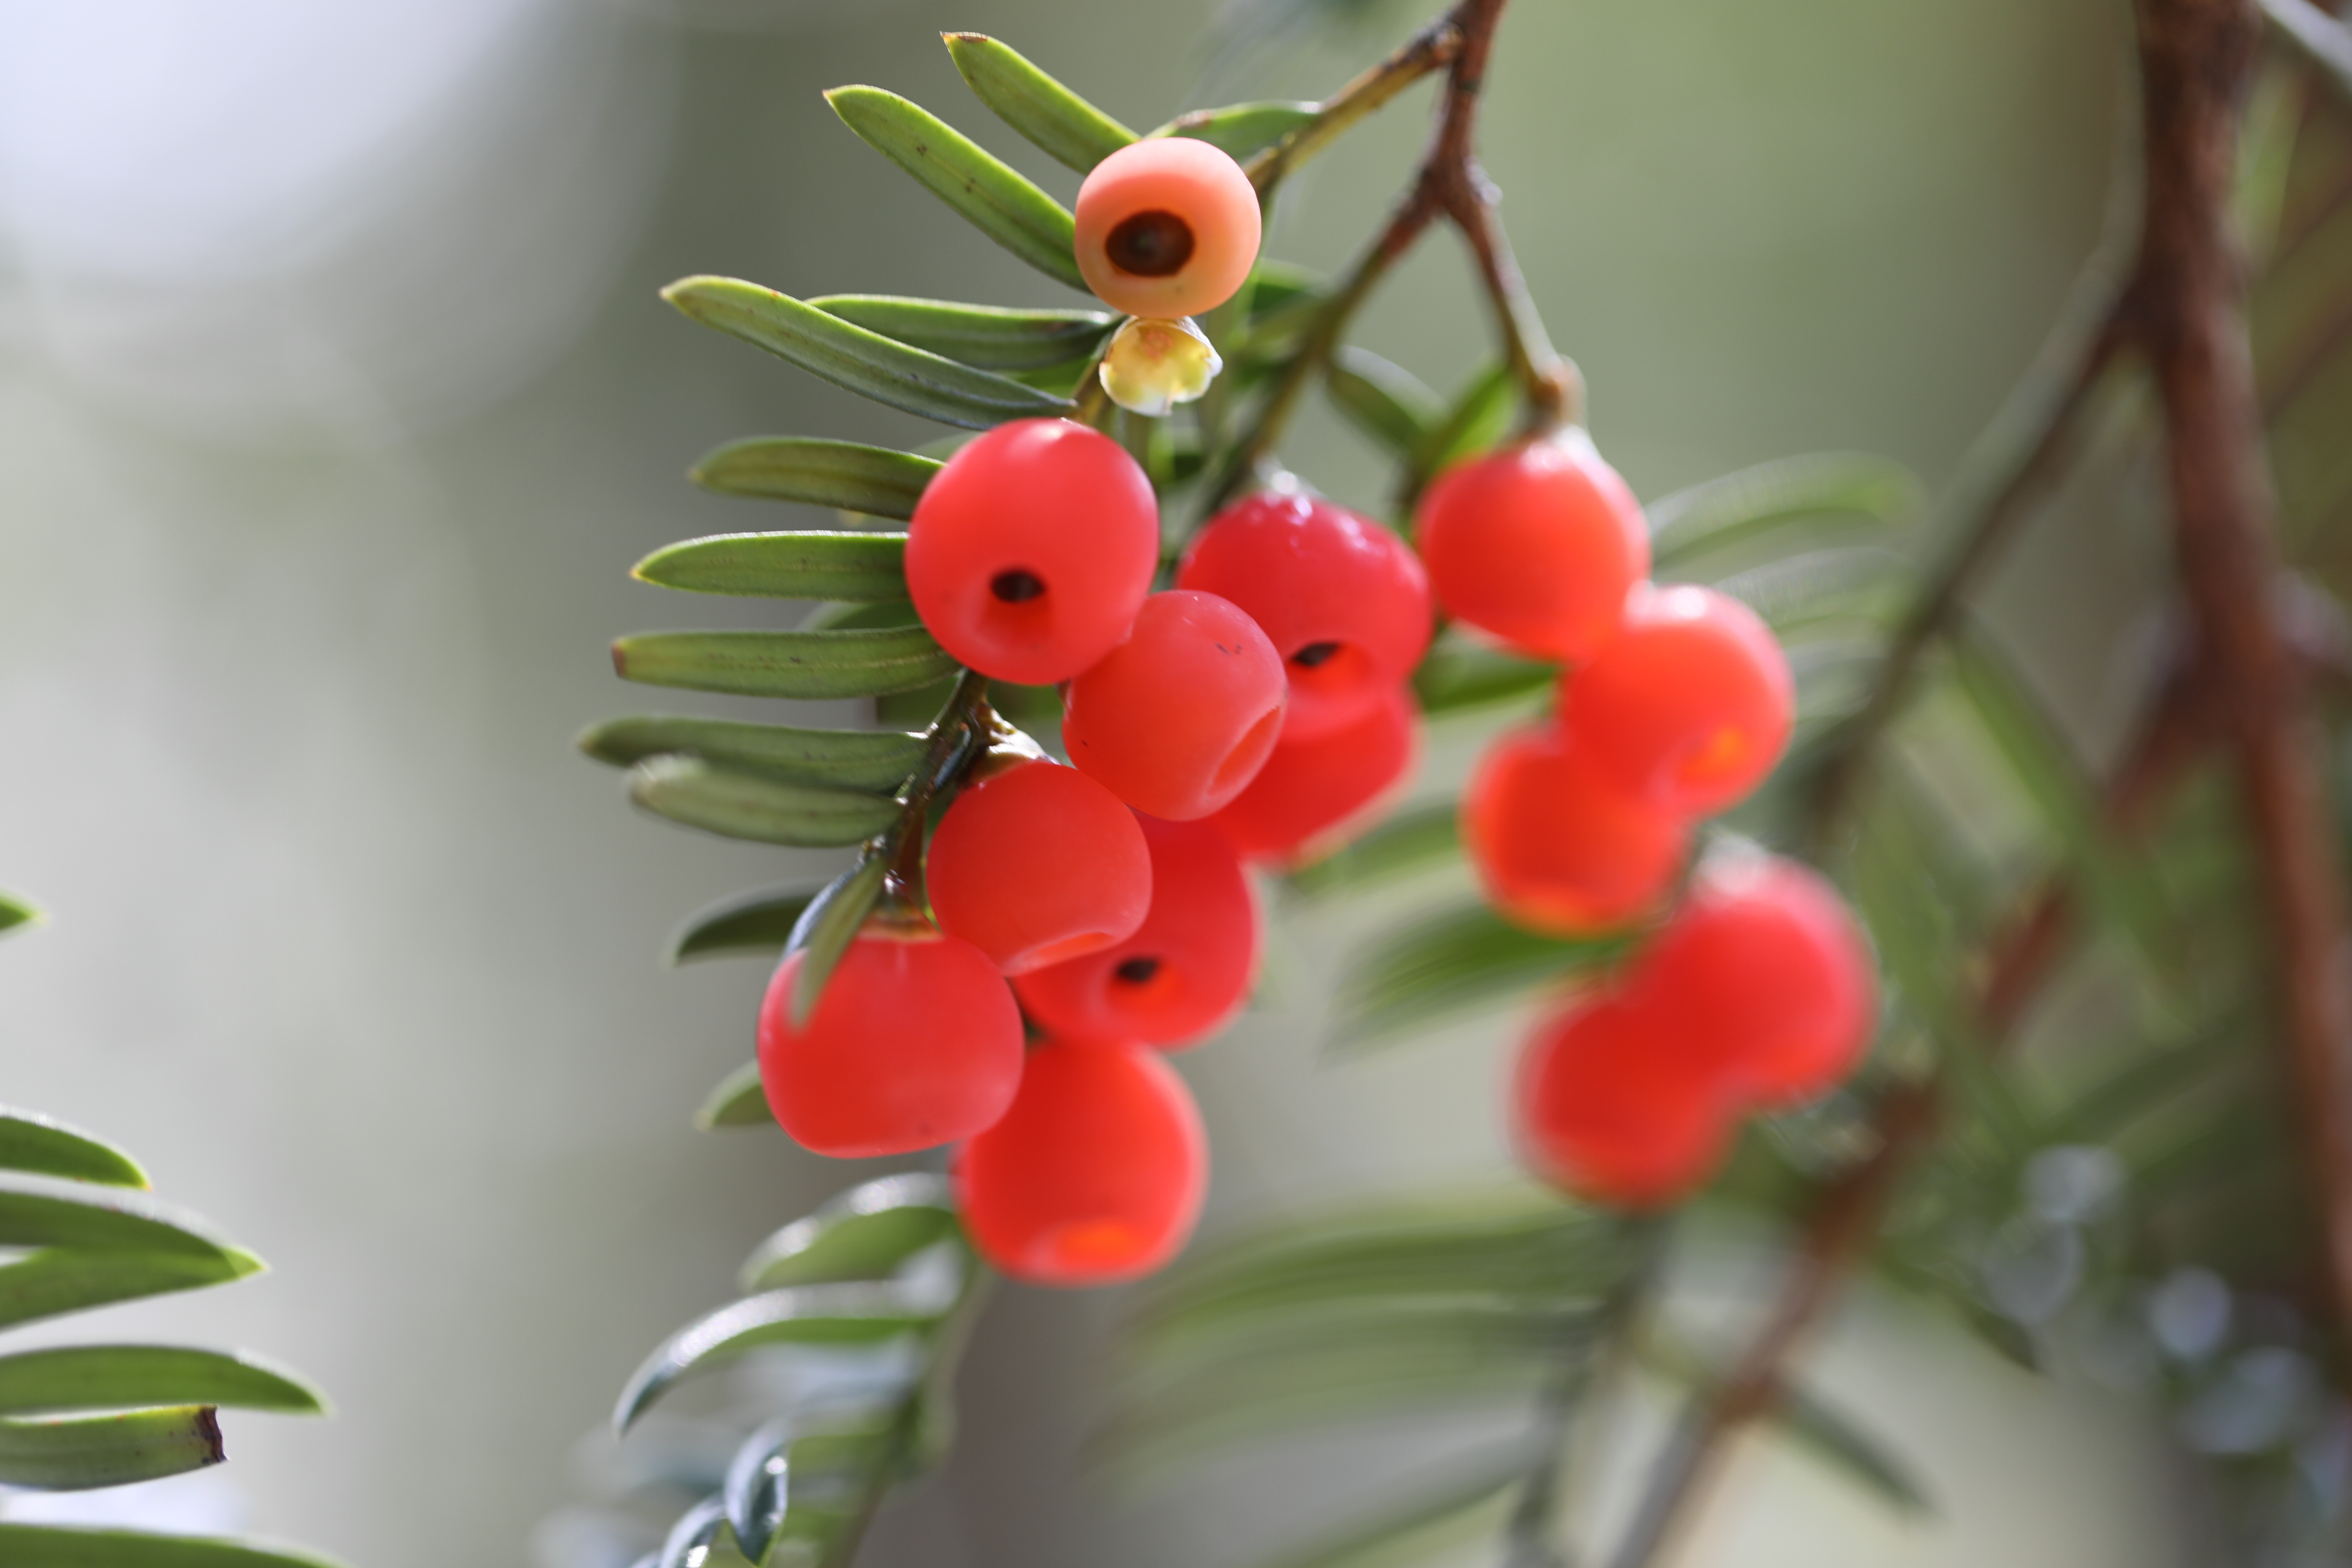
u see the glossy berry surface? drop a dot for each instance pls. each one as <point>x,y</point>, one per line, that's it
<point>1168,227</point>
<point>1313,795</point>
<point>1538,544</point>
<point>1185,970</point>
<point>1559,845</point>
<point>1690,704</point>
<point>1763,969</point>
<point>1343,600</point>
<point>1039,864</point>
<point>1604,1107</point>
<point>1031,550</point>
<point>1178,719</point>
<point>916,1042</point>
<point>1095,1176</point>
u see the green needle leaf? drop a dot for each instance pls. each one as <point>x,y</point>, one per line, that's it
<point>864,363</point>
<point>827,927</point>
<point>738,803</point>
<point>114,1377</point>
<point>1240,128</point>
<point>1385,401</point>
<point>1455,961</point>
<point>1062,125</point>
<point>865,1234</point>
<point>821,1315</point>
<point>877,759</point>
<point>45,1546</point>
<point>17,911</point>
<point>815,565</point>
<point>739,1101</point>
<point>37,1145</point>
<point>810,665</point>
<point>987,192</point>
<point>758,921</point>
<point>82,1453</point>
<point>64,1280</point>
<point>1409,841</point>
<point>988,336</point>
<point>108,1221</point>
<point>1478,419</point>
<point>844,474</point>
<point>1457,674</point>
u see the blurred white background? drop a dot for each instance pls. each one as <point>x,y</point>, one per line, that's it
<point>335,402</point>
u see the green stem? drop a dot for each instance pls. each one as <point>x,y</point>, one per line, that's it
<point>959,737</point>
<point>1433,47</point>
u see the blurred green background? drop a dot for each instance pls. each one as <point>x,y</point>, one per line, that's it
<point>335,402</point>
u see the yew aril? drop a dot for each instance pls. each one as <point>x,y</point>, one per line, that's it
<point>1178,717</point>
<point>1185,970</point>
<point>1096,1174</point>
<point>1605,1105</point>
<point>1031,550</point>
<point>1538,544</point>
<point>1167,227</point>
<point>1037,864</point>
<point>1690,704</point>
<point>1343,600</point>
<point>1313,795</point>
<point>1558,845</point>
<point>916,1042</point>
<point>1763,969</point>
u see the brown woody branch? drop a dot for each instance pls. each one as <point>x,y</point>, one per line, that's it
<point>2184,306</point>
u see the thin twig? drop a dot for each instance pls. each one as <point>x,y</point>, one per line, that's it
<point>1849,1207</point>
<point>1433,47</point>
<point>2196,57</point>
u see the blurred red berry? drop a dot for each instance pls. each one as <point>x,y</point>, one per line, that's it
<point>1032,549</point>
<point>1538,544</point>
<point>1763,969</point>
<point>1343,600</point>
<point>1184,973</point>
<point>1095,1176</point>
<point>1607,1107</point>
<point>1560,847</point>
<point>1312,795</point>
<point>1178,719</point>
<point>916,1042</point>
<point>1690,704</point>
<point>1039,864</point>
<point>1166,227</point>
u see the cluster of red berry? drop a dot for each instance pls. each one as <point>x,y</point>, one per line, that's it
<point>1675,704</point>
<point>1255,711</point>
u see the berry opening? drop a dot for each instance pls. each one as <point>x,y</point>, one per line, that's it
<point>1154,243</point>
<point>1141,970</point>
<point>1017,586</point>
<point>1242,763</point>
<point>1314,654</point>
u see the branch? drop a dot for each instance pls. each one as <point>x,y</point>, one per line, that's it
<point>2195,56</point>
<point>1848,1208</point>
<point>2317,37</point>
<point>1434,45</point>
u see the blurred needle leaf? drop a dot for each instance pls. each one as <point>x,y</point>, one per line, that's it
<point>83,1453</point>
<point>758,922</point>
<point>740,1100</point>
<point>115,1377</point>
<point>827,927</point>
<point>38,1145</point>
<point>864,1234</point>
<point>737,803</point>
<point>48,1546</point>
<point>877,759</point>
<point>807,665</point>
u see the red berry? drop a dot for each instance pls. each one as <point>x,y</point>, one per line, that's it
<point>1312,795</point>
<point>1344,601</point>
<point>1094,1176</point>
<point>1689,704</point>
<point>1538,544</point>
<point>1763,969</point>
<point>916,1042</point>
<point>1559,845</point>
<point>1178,719</point>
<point>1036,865</point>
<point>1031,550</point>
<point>1184,973</point>
<point>1167,227</point>
<point>1605,1107</point>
